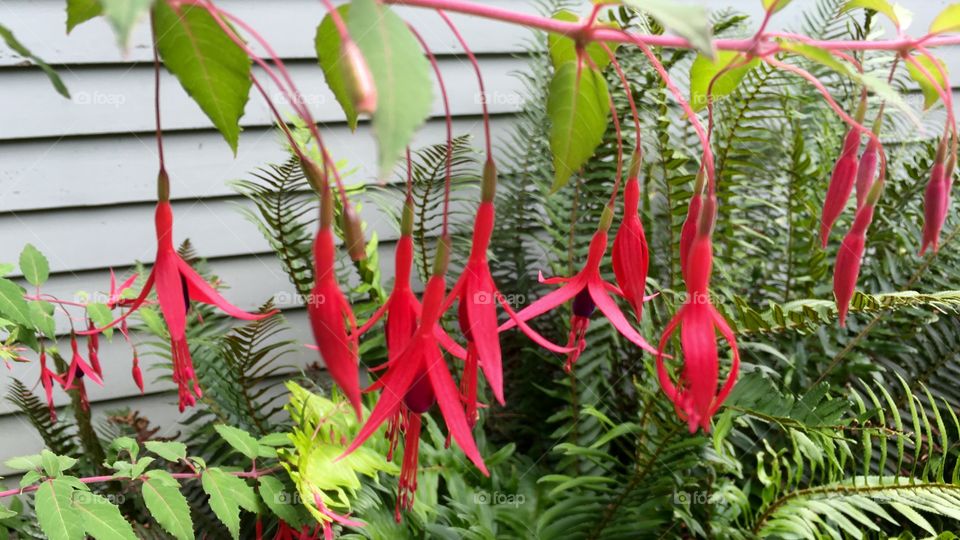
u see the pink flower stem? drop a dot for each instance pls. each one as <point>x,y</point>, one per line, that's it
<point>577,31</point>
<point>616,125</point>
<point>476,68</point>
<point>626,88</point>
<point>951,125</point>
<point>449,121</point>
<point>156,93</point>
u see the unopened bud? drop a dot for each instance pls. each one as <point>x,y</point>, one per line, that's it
<point>700,182</point>
<point>442,258</point>
<point>163,186</point>
<point>315,176</point>
<point>606,218</point>
<point>353,234</point>
<point>488,187</point>
<point>708,216</point>
<point>635,162</point>
<point>358,78</point>
<point>326,207</point>
<point>406,219</point>
<point>875,191</point>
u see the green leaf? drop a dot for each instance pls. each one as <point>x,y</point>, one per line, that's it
<point>880,6</point>
<point>6,513</point>
<point>209,65</point>
<point>24,463</point>
<point>101,316</point>
<point>578,109</point>
<point>400,72</point>
<point>276,440</point>
<point>563,49</point>
<point>168,507</point>
<point>239,439</point>
<point>51,463</point>
<point>278,499</point>
<point>703,70</point>
<point>101,519</point>
<point>776,5</point>
<point>79,11</point>
<point>123,15</point>
<point>227,493</point>
<point>927,86</point>
<point>947,21</point>
<point>20,49</point>
<point>688,22</point>
<point>172,451</point>
<point>153,321</point>
<point>34,265</point>
<point>327,44</point>
<point>41,319</point>
<point>58,518</point>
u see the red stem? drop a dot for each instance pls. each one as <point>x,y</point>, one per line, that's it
<point>156,92</point>
<point>626,88</point>
<point>941,90</point>
<point>476,68</point>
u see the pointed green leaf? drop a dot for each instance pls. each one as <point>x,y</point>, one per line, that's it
<point>168,507</point>
<point>578,109</point>
<point>79,11</point>
<point>947,21</point>
<point>101,519</point>
<point>24,463</point>
<point>239,439</point>
<point>41,319</point>
<point>101,316</point>
<point>123,15</point>
<point>58,519</point>
<point>563,49</point>
<point>327,43</point>
<point>775,5</point>
<point>891,11</point>
<point>703,70</point>
<point>928,86</point>
<point>687,21</point>
<point>209,65</point>
<point>20,49</point>
<point>278,499</point>
<point>227,493</point>
<point>6,513</point>
<point>169,450</point>
<point>34,265</point>
<point>400,72</point>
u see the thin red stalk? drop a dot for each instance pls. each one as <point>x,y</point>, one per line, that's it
<point>941,90</point>
<point>734,64</point>
<point>616,126</point>
<point>626,88</point>
<point>449,120</point>
<point>476,68</point>
<point>409,175</point>
<point>156,93</point>
<point>577,31</point>
<point>276,114</point>
<point>337,20</point>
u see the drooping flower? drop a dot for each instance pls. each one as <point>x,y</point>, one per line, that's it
<point>935,200</point>
<point>79,367</point>
<point>588,290</point>
<point>417,379</point>
<point>689,228</point>
<point>867,169</point>
<point>841,184</point>
<point>47,378</point>
<point>847,267</point>
<point>330,312</point>
<point>177,283</point>
<point>630,255</point>
<point>696,396</point>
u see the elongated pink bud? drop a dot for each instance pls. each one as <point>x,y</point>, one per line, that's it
<point>847,268</point>
<point>630,256</point>
<point>867,170</point>
<point>358,78</point>
<point>841,184</point>
<point>935,201</point>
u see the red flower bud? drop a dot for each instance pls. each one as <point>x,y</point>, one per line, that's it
<point>841,184</point>
<point>867,170</point>
<point>935,200</point>
<point>847,267</point>
<point>630,256</point>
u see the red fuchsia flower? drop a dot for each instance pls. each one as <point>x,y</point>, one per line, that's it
<point>177,283</point>
<point>689,229</point>
<point>416,380</point>
<point>847,267</point>
<point>695,396</point>
<point>47,378</point>
<point>867,169</point>
<point>79,367</point>
<point>935,200</point>
<point>630,256</point>
<point>589,291</point>
<point>841,184</point>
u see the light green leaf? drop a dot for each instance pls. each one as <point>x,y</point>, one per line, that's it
<point>169,450</point>
<point>152,319</point>
<point>41,318</point>
<point>327,43</point>
<point>51,464</point>
<point>227,493</point>
<point>30,478</point>
<point>687,21</point>
<point>278,499</point>
<point>6,513</point>
<point>101,316</point>
<point>58,518</point>
<point>239,439</point>
<point>276,440</point>
<point>927,86</point>
<point>101,519</point>
<point>947,21</point>
<point>776,5</point>
<point>209,65</point>
<point>880,6</point>
<point>20,49</point>
<point>79,11</point>
<point>563,49</point>
<point>169,507</point>
<point>24,463</point>
<point>123,15</point>
<point>401,74</point>
<point>578,109</point>
<point>703,70</point>
<point>34,265</point>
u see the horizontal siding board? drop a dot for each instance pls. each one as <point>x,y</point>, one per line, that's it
<point>119,100</point>
<point>289,26</point>
<point>122,169</point>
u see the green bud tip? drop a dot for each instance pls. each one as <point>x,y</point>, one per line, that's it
<point>442,259</point>
<point>163,186</point>
<point>635,162</point>
<point>406,219</point>
<point>488,186</point>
